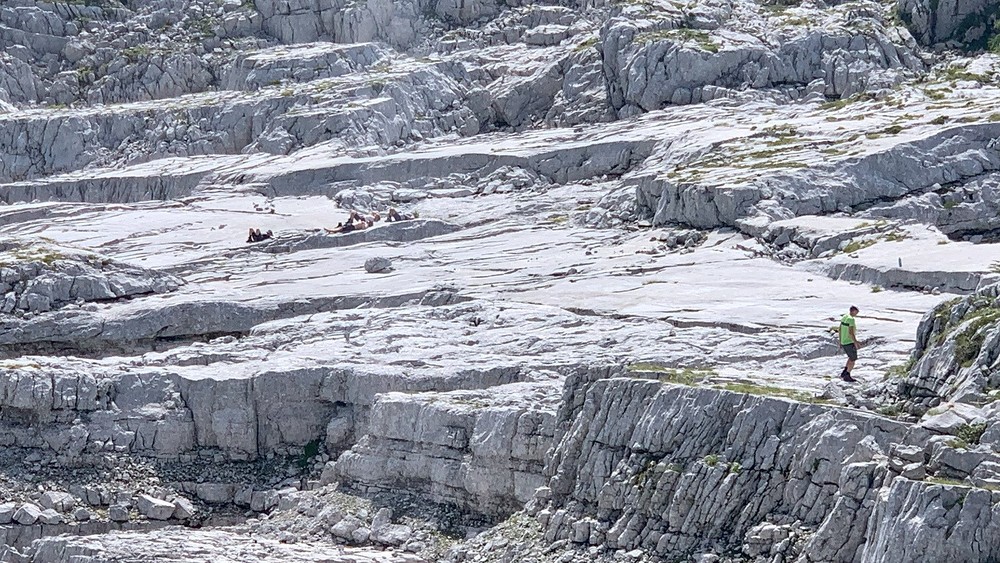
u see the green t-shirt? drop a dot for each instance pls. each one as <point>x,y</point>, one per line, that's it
<point>846,324</point>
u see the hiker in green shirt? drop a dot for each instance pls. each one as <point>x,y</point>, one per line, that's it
<point>849,342</point>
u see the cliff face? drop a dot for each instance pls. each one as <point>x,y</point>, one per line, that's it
<point>676,471</point>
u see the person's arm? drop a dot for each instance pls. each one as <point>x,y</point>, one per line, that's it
<point>854,337</point>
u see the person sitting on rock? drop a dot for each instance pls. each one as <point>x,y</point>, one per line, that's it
<point>397,216</point>
<point>257,236</point>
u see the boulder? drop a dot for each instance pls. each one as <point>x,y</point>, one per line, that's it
<point>50,516</point>
<point>28,514</point>
<point>392,534</point>
<point>82,514</point>
<point>7,511</point>
<point>57,500</point>
<point>154,508</point>
<point>118,513</point>
<point>183,508</point>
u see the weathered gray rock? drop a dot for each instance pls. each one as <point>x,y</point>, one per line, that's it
<point>50,517</point>
<point>957,343</point>
<point>58,500</point>
<point>27,514</point>
<point>154,508</point>
<point>81,514</point>
<point>378,265</point>
<point>118,513</point>
<point>183,509</point>
<point>346,527</point>
<point>7,511</point>
<point>216,492</point>
<point>392,534</point>
<point>484,451</point>
<point>648,64</point>
<point>964,22</point>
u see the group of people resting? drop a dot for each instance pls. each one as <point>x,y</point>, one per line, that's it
<point>359,222</point>
<point>356,222</point>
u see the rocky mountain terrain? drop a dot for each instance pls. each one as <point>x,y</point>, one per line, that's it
<point>604,329</point>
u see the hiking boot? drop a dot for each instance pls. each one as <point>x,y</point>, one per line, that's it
<point>847,377</point>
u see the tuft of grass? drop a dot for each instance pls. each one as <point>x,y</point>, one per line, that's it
<point>892,410</point>
<point>699,37</point>
<point>134,54</point>
<point>735,467</point>
<point>856,245</point>
<point>947,481</point>
<point>877,289</point>
<point>711,460</point>
<point>971,433</point>
<point>939,120</point>
<point>900,370</point>
<point>969,342</point>
<point>586,44</point>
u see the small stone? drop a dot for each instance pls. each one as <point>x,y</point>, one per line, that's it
<point>82,514</point>
<point>378,265</point>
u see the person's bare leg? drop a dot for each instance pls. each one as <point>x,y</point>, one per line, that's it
<point>850,366</point>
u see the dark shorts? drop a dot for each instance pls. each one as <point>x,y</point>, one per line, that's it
<point>851,350</point>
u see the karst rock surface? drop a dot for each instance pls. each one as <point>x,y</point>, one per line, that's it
<point>483,281</point>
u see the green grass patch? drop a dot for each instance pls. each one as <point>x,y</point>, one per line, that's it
<point>969,342</point>
<point>779,164</point>
<point>899,371</point>
<point>699,37</point>
<point>711,460</point>
<point>586,44</point>
<point>856,245</point>
<point>971,433</point>
<point>771,391</point>
<point>134,54</point>
<point>891,411</point>
<point>957,73</point>
<point>685,376</point>
<point>947,481</point>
